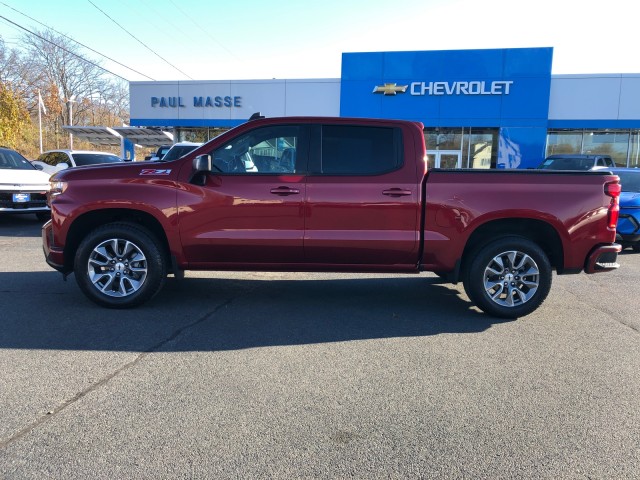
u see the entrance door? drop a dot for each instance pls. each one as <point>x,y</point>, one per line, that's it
<point>443,159</point>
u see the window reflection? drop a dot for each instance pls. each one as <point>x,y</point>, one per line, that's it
<point>478,146</point>
<point>621,145</point>
<point>634,150</point>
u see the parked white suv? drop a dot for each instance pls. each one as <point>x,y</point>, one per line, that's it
<point>23,188</point>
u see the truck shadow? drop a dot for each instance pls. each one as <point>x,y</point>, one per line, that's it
<point>230,313</point>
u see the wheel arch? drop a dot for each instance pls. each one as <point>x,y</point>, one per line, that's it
<point>95,218</point>
<point>538,231</point>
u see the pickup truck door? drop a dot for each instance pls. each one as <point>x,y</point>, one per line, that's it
<point>363,198</point>
<point>251,209</point>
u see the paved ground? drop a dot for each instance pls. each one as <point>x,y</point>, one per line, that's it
<point>258,375</point>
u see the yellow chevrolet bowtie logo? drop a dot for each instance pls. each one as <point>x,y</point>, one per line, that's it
<point>390,89</point>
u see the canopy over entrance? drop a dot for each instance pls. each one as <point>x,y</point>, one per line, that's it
<point>143,137</point>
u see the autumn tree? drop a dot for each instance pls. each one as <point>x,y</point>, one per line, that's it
<point>54,66</point>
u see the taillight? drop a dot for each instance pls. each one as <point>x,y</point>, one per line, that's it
<point>613,190</point>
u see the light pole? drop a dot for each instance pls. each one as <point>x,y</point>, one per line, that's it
<point>71,100</point>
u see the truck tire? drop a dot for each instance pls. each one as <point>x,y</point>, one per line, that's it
<point>120,265</point>
<point>509,277</point>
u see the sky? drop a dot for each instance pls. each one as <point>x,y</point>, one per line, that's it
<point>252,39</point>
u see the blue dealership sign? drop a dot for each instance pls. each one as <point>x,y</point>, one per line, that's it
<point>502,88</point>
<point>482,88</point>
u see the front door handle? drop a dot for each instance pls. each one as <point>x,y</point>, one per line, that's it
<point>285,191</point>
<point>397,192</point>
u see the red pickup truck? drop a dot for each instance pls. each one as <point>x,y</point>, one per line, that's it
<point>328,194</point>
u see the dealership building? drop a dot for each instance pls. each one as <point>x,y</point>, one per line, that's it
<point>498,108</point>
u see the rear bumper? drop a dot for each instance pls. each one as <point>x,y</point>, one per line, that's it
<point>603,258</point>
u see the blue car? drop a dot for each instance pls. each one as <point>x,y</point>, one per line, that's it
<point>628,230</point>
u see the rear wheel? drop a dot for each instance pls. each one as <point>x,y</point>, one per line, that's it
<point>509,277</point>
<point>120,265</point>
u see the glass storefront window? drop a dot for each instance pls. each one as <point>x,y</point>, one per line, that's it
<point>615,144</point>
<point>622,145</point>
<point>199,135</point>
<point>564,142</point>
<point>634,151</point>
<point>443,138</point>
<point>480,149</point>
<point>477,147</point>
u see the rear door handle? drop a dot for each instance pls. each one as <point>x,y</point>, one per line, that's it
<point>397,192</point>
<point>285,191</point>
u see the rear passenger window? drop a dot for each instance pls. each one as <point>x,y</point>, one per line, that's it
<point>352,150</point>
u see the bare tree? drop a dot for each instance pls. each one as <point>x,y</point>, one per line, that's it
<point>54,66</point>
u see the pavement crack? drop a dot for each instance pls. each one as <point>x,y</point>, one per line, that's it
<point>106,379</point>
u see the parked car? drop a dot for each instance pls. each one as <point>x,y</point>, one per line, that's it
<point>577,162</point>
<point>179,149</point>
<point>159,154</point>
<point>54,160</point>
<point>628,229</point>
<point>23,188</point>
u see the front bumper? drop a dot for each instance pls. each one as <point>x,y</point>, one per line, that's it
<point>53,254</point>
<point>603,258</point>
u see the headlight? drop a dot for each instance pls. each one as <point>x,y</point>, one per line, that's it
<point>57,188</point>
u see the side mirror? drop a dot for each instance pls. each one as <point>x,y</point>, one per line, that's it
<point>202,163</point>
<point>38,166</point>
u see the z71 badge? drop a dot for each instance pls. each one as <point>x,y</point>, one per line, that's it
<point>155,171</point>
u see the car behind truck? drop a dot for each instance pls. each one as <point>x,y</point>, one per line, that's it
<point>329,194</point>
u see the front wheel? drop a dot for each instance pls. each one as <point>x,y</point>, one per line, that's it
<point>636,248</point>
<point>120,265</point>
<point>508,278</point>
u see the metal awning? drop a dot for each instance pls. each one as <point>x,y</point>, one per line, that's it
<point>97,135</point>
<point>144,137</point>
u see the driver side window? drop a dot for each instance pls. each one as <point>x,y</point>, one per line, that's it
<point>267,150</point>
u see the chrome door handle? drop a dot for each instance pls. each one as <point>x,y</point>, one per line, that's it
<point>284,191</point>
<point>397,192</point>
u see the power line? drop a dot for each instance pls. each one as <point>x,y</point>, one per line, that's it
<point>62,48</point>
<point>202,29</point>
<point>73,40</point>
<point>139,41</point>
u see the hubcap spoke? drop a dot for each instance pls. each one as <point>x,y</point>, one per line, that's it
<point>511,278</point>
<point>117,267</point>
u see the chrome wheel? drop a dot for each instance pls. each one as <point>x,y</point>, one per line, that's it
<point>117,267</point>
<point>511,278</point>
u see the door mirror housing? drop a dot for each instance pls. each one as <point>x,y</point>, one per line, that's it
<point>202,163</point>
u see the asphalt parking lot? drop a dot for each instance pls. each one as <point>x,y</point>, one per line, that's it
<point>260,375</point>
